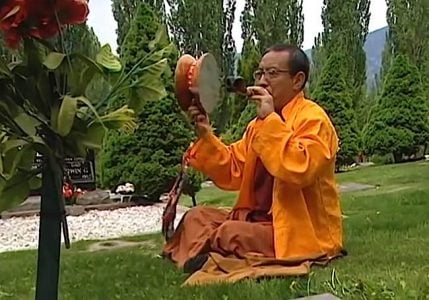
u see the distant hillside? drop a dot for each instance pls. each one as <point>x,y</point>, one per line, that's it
<point>374,47</point>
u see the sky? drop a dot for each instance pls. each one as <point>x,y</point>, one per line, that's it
<point>101,19</point>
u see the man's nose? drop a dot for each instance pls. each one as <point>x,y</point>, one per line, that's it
<point>262,82</point>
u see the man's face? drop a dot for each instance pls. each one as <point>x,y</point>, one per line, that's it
<point>273,74</point>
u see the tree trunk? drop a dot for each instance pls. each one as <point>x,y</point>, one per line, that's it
<point>397,157</point>
<point>194,200</point>
<point>51,213</point>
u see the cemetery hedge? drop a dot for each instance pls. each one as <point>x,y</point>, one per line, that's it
<point>150,157</point>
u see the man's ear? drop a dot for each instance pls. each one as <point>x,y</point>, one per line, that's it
<point>298,81</point>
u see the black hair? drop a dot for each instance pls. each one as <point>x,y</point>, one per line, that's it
<point>298,61</point>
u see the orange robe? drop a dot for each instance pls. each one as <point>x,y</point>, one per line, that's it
<point>298,148</point>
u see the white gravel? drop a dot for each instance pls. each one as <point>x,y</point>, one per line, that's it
<point>22,233</point>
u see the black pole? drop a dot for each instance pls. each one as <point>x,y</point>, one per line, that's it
<point>51,214</point>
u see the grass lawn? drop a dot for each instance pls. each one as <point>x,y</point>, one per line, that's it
<point>386,231</point>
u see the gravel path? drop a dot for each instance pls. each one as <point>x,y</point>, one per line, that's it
<point>22,233</point>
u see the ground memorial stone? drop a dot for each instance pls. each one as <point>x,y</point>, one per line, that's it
<point>81,171</point>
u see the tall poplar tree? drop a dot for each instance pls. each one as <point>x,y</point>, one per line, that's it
<point>206,26</point>
<point>408,34</point>
<point>263,23</point>
<point>277,21</point>
<point>123,13</point>
<point>343,37</point>
<point>345,28</point>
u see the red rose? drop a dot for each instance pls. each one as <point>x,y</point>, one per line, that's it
<point>12,38</point>
<point>64,12</point>
<point>42,21</point>
<point>39,18</point>
<point>46,28</point>
<point>72,11</point>
<point>12,14</point>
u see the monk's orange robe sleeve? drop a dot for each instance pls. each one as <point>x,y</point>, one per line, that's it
<point>221,163</point>
<point>296,157</point>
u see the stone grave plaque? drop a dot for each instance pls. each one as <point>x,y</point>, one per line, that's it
<point>81,171</point>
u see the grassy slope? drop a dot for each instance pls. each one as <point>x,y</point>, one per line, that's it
<point>386,236</point>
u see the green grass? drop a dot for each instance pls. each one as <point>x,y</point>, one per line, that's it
<point>386,236</point>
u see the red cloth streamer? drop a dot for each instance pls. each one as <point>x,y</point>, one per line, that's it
<point>169,214</point>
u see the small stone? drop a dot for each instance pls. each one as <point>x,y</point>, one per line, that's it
<point>93,197</point>
<point>75,210</point>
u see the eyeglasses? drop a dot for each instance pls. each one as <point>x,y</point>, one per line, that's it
<point>269,73</point>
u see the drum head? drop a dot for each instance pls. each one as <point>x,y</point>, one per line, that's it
<point>209,84</point>
<point>201,75</point>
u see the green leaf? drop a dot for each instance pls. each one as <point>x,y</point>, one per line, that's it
<point>27,123</point>
<point>66,115</point>
<point>35,183</point>
<point>91,107</point>
<point>11,144</point>
<point>37,140</point>
<point>122,118</point>
<point>156,69</point>
<point>85,79</point>
<point>157,55</point>
<point>13,192</point>
<point>33,57</point>
<point>10,108</point>
<point>16,157</point>
<point>83,76</point>
<point>54,60</point>
<point>27,160</point>
<point>89,62</point>
<point>161,36</point>
<point>109,61</point>
<point>149,89</point>
<point>4,69</point>
<point>93,139</point>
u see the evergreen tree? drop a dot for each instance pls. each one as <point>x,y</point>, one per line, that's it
<point>345,26</point>
<point>399,125</point>
<point>345,30</point>
<point>206,26</point>
<point>151,156</point>
<point>79,38</point>
<point>333,95</point>
<point>264,23</point>
<point>123,13</point>
<point>247,64</point>
<point>408,35</point>
<point>141,32</point>
<point>277,21</point>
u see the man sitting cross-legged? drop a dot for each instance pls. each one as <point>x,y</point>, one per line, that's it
<point>288,205</point>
